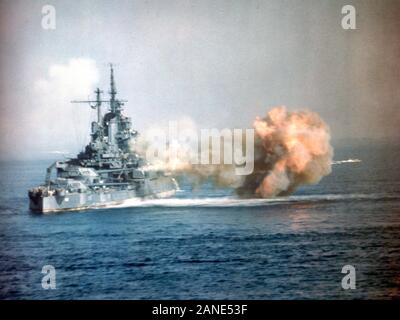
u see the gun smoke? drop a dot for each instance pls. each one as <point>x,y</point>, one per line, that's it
<point>291,149</point>
<point>288,149</point>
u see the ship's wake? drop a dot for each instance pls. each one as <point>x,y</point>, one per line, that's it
<point>231,201</point>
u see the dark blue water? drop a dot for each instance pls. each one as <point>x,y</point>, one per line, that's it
<point>204,244</point>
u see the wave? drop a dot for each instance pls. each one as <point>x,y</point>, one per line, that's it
<point>346,161</point>
<point>222,202</point>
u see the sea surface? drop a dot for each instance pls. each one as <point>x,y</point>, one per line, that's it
<point>207,244</point>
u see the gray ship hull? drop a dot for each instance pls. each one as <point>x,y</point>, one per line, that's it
<point>157,188</point>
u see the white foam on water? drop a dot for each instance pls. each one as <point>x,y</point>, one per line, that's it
<point>346,161</point>
<point>217,202</point>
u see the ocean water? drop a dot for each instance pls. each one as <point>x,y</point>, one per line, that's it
<point>207,244</point>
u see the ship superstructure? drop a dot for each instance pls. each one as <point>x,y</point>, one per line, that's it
<point>107,171</point>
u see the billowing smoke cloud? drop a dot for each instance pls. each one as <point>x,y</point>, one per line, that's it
<point>179,152</point>
<point>290,149</point>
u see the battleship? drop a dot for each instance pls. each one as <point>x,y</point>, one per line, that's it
<point>107,172</point>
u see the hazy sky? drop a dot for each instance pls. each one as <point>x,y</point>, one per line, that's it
<point>220,63</point>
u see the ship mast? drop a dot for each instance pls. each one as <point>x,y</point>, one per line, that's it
<point>98,104</point>
<point>113,91</point>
